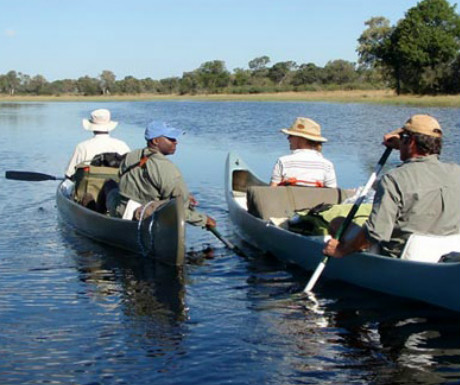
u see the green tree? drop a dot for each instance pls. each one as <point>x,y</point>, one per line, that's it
<point>88,86</point>
<point>280,71</point>
<point>189,83</point>
<point>12,82</point>
<point>39,85</point>
<point>213,76</point>
<point>417,54</point>
<point>371,42</point>
<point>169,85</point>
<point>64,86</point>
<point>426,40</point>
<point>259,63</point>
<point>258,67</point>
<point>149,85</point>
<point>107,79</point>
<point>308,74</point>
<point>129,85</point>
<point>340,72</point>
<point>241,77</point>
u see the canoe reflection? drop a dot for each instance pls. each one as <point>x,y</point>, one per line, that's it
<point>141,287</point>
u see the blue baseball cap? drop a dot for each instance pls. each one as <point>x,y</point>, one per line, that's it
<point>155,129</point>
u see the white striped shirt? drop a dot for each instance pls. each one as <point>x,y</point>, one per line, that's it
<point>308,167</point>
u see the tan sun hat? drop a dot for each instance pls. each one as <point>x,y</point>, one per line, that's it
<point>305,128</point>
<point>421,124</point>
<point>99,121</point>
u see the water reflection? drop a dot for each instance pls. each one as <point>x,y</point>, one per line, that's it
<point>151,295</point>
<point>347,335</point>
<point>147,289</point>
<point>417,341</point>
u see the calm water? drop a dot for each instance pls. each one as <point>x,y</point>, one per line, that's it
<point>75,312</point>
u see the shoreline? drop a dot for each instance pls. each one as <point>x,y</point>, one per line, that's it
<point>384,97</point>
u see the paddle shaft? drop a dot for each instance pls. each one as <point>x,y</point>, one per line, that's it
<point>219,236</point>
<point>30,176</point>
<point>344,226</point>
<point>225,241</point>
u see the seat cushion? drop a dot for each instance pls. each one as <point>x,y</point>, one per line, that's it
<point>265,202</point>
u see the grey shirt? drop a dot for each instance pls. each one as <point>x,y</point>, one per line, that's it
<point>158,179</point>
<point>421,196</point>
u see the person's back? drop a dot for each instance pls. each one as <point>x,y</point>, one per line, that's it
<point>425,193</point>
<point>101,124</point>
<point>163,177</point>
<point>420,197</point>
<point>306,165</point>
<point>146,176</point>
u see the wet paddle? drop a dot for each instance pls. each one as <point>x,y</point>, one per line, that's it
<point>30,176</point>
<point>349,218</point>
<point>225,241</point>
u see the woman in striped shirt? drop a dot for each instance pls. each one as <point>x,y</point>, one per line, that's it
<point>306,165</point>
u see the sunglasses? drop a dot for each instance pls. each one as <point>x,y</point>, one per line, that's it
<point>404,136</point>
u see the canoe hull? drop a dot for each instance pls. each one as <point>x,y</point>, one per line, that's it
<point>434,283</point>
<point>161,237</point>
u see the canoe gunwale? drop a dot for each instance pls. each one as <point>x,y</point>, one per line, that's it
<point>124,234</point>
<point>437,284</point>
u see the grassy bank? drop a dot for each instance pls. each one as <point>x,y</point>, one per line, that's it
<point>354,96</point>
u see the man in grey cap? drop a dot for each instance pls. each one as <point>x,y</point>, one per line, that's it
<point>147,175</point>
<point>421,196</point>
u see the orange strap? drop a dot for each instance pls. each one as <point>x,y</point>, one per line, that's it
<point>295,182</point>
<point>143,161</point>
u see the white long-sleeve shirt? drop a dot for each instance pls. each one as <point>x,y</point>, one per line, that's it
<point>86,150</point>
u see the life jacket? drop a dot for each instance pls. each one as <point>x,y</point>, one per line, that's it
<point>299,182</point>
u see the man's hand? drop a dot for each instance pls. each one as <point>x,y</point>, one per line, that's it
<point>210,222</point>
<point>332,248</point>
<point>391,140</point>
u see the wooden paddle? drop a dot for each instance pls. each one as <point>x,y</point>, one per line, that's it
<point>30,176</point>
<point>349,218</point>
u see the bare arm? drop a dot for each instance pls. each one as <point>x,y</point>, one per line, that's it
<point>334,248</point>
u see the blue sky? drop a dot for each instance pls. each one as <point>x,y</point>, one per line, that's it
<point>160,38</point>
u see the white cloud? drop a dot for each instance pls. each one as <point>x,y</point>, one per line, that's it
<point>10,33</point>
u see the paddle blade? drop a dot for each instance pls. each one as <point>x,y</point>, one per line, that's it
<point>29,176</point>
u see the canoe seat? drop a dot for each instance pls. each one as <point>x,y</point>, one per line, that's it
<point>240,198</point>
<point>266,202</point>
<point>430,248</point>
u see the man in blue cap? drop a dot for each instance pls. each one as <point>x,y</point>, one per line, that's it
<point>147,175</point>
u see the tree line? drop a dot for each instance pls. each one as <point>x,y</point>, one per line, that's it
<point>420,54</point>
<point>210,77</point>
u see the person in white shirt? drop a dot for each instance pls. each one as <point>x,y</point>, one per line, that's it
<point>100,124</point>
<point>306,165</point>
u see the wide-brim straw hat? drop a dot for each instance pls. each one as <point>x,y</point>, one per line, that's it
<point>99,121</point>
<point>305,128</point>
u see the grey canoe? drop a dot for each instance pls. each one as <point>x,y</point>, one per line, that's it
<point>161,236</point>
<point>433,283</point>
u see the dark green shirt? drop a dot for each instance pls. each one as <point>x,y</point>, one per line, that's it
<point>421,196</point>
